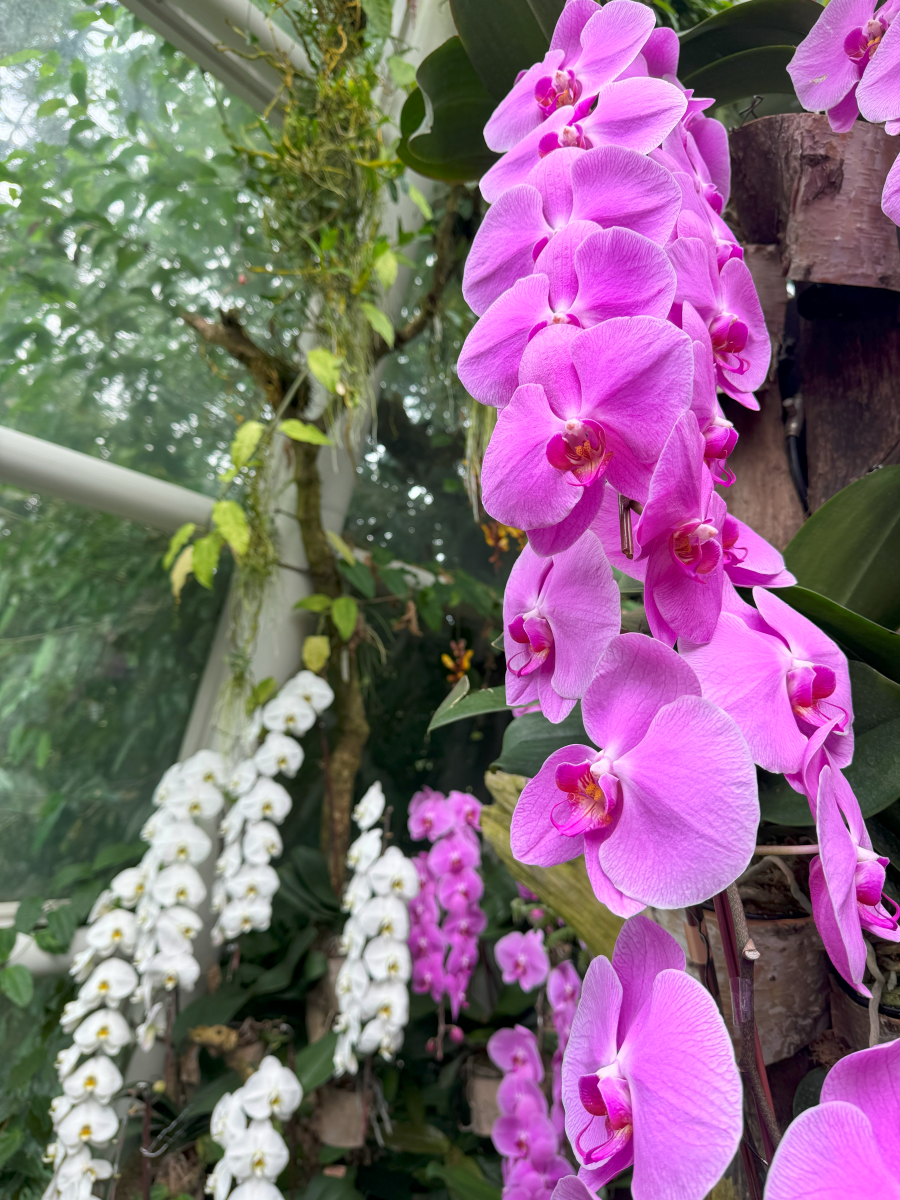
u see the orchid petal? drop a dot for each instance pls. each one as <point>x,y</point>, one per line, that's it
<point>532,837</point>
<point>642,950</point>
<point>830,1153</point>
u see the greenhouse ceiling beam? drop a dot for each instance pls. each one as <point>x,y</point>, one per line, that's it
<point>211,32</point>
<point>38,466</point>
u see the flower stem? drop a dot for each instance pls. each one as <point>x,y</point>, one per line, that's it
<point>786,851</point>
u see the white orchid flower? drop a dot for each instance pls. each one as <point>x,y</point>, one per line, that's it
<point>54,1154</point>
<point>357,892</point>
<point>170,780</point>
<point>352,939</point>
<point>266,801</point>
<point>152,1027</point>
<point>241,916</point>
<point>349,1021</point>
<point>110,983</point>
<point>344,1059</point>
<point>74,1012</point>
<point>169,940</point>
<point>259,1152</point>
<point>241,777</point>
<point>145,947</point>
<point>232,825</point>
<point>351,984</point>
<point>314,690</point>
<point>364,852</point>
<point>88,1123</point>
<point>218,1182</point>
<point>229,861</point>
<point>129,885</point>
<point>228,1119</point>
<point>386,958</point>
<point>289,713</point>
<point>116,930</point>
<point>105,1030</point>
<point>271,1091</point>
<point>256,1189</point>
<point>252,881</point>
<point>394,875</point>
<point>66,1061</point>
<point>370,807</point>
<point>385,914</point>
<point>195,802</point>
<point>252,732</point>
<point>279,754</point>
<point>185,920</point>
<point>174,970</point>
<point>381,1037</point>
<point>147,913</point>
<point>206,766</point>
<point>389,1002</point>
<point>97,1079</point>
<point>78,1174</point>
<point>179,884</point>
<point>182,842</point>
<point>151,828</point>
<point>82,964</point>
<point>262,842</point>
<point>219,896</point>
<point>60,1107</point>
<point>104,903</point>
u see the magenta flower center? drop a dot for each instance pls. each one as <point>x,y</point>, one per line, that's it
<point>860,44</point>
<point>808,684</point>
<point>570,135</point>
<point>729,337</point>
<point>592,795</point>
<point>607,1095</point>
<point>532,631</point>
<point>694,546</point>
<point>556,90</point>
<point>581,450</point>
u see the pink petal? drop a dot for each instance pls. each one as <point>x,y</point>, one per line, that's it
<point>842,116</point>
<point>502,251</point>
<point>553,179</point>
<point>686,1094</point>
<point>605,890</point>
<point>675,489</point>
<point>642,950</point>
<point>761,563</point>
<point>548,361</point>
<point>488,365</point>
<point>518,113</point>
<point>878,95</point>
<point>661,51</point>
<point>610,40</point>
<point>615,186</point>
<point>829,1153</point>
<point>821,72</point>
<point>833,888</point>
<point>672,847</point>
<point>592,1041</point>
<point>572,20</point>
<point>697,274</point>
<point>890,197</point>
<point>560,537</point>
<point>711,137</point>
<point>532,837</point>
<point>516,164</point>
<point>582,603</point>
<point>870,1080</point>
<point>739,297</point>
<point>623,274</point>
<point>636,677</point>
<point>634,113</point>
<point>557,261</point>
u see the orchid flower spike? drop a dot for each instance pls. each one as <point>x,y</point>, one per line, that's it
<point>633,808</point>
<point>649,1077</point>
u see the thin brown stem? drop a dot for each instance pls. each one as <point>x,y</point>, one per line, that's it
<point>145,1147</point>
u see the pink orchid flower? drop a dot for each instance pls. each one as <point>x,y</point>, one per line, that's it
<point>649,1077</point>
<point>727,303</point>
<point>526,1180</point>
<point>429,816</point>
<point>848,1145</point>
<point>635,114</point>
<point>719,435</point>
<point>515,1052</point>
<point>465,808</point>
<point>610,186</point>
<point>632,807</point>
<point>454,853</point>
<point>459,890</point>
<point>425,940</point>
<point>522,959</point>
<point>428,976</point>
<point>846,881</point>
<point>469,922</point>
<point>559,615</point>
<point>611,273</point>
<point>585,412</point>
<point>833,61</point>
<point>590,47</point>
<point>698,146</point>
<point>526,1133</point>
<point>780,678</point>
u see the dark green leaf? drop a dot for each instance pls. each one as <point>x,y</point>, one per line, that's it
<point>405,1137</point>
<point>512,1001</point>
<point>23,1070</point>
<point>62,923</point>
<point>118,855</point>
<point>547,13</point>
<point>10,1141</point>
<point>809,1090</point>
<point>530,740</point>
<point>875,698</point>
<point>312,867</point>
<point>206,1098</point>
<point>872,643</point>
<point>29,912</point>
<point>849,549</point>
<point>472,705</point>
<point>217,1009</point>
<point>761,70</point>
<point>501,38</point>
<point>16,983</point>
<point>359,575</point>
<point>464,1179</point>
<point>394,579</point>
<point>753,25</point>
<point>874,773</point>
<point>7,941</point>
<point>314,1065</point>
<point>279,977</point>
<point>332,1187</point>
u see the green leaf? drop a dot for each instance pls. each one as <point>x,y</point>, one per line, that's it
<point>395,580</point>
<point>244,445</point>
<point>325,366</point>
<point>472,705</point>
<point>205,558</point>
<point>442,121</point>
<point>379,14</point>
<point>875,698</point>
<point>407,1138</point>
<point>360,576</point>
<point>316,652</point>
<point>501,38</point>
<point>10,1141</point>
<point>318,603</point>
<point>761,70</point>
<point>49,107</point>
<point>218,1009</point>
<point>403,73</point>
<point>874,773</point>
<point>464,1179</point>
<point>16,983</point>
<point>279,977</point>
<point>29,912</point>
<point>23,1071</point>
<point>263,692</point>
<point>179,539</point>
<point>62,923</point>
<point>753,25</point>
<point>420,202</point>
<point>44,748</point>
<point>117,855</point>
<point>21,56</point>
<point>344,612</point>
<point>530,740</point>
<point>314,1065</point>
<point>872,643</point>
<point>849,549</point>
<point>547,13</point>
<point>7,942</point>
<point>386,267</point>
<point>231,521</point>
<point>301,431</point>
<point>81,20</point>
<point>379,321</point>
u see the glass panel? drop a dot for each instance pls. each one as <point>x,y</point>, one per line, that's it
<point>98,671</point>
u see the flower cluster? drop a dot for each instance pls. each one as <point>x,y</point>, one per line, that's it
<point>139,947</point>
<point>446,916</point>
<point>849,64</point>
<point>245,880</point>
<point>523,1133</point>
<point>242,1124</point>
<point>563,991</point>
<point>371,984</point>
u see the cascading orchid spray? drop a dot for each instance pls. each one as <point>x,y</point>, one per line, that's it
<point>446,917</point>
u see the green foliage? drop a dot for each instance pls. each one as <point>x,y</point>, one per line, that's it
<point>17,983</point>
<point>344,613</point>
<point>302,431</point>
<point>864,639</point>
<point>530,740</point>
<point>231,521</point>
<point>460,704</point>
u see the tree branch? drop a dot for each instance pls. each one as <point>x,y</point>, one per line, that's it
<point>272,374</point>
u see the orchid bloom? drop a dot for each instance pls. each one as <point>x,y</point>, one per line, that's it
<point>649,1077</point>
<point>572,192</point>
<point>370,807</point>
<point>429,816</point>
<point>610,273</point>
<point>522,959</point>
<point>847,1147</point>
<point>633,807</point>
<point>830,68</point>
<point>780,677</point>
<point>271,1091</point>
<point>585,412</point>
<point>559,615</point>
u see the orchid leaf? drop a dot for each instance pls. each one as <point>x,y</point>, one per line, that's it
<point>457,707</point>
<point>314,1065</point>
<point>547,13</point>
<point>501,38</point>
<point>530,740</point>
<point>864,639</point>
<point>759,70</point>
<point>750,26</point>
<point>849,549</point>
